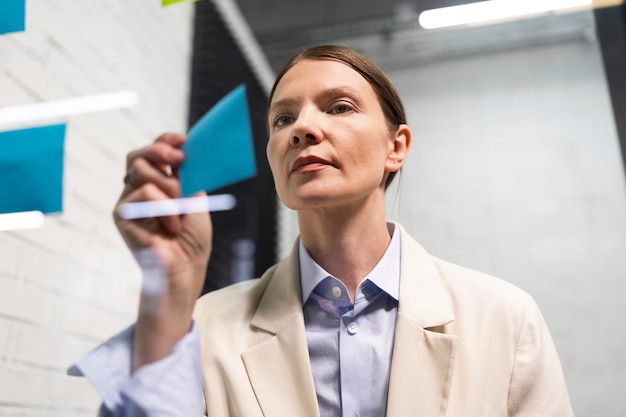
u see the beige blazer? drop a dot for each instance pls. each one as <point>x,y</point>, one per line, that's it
<point>466,345</point>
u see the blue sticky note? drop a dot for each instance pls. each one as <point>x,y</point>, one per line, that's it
<point>31,169</point>
<point>219,150</point>
<point>12,16</point>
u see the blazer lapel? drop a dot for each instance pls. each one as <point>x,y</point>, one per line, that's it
<point>278,367</point>
<point>423,358</point>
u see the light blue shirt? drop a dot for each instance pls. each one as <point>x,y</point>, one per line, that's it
<point>169,387</point>
<point>350,345</point>
<point>350,348</point>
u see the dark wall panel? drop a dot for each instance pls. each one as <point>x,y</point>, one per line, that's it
<point>244,243</point>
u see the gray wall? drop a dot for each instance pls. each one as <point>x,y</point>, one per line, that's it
<point>515,171</point>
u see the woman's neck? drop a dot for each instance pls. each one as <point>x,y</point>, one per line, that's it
<point>347,242</point>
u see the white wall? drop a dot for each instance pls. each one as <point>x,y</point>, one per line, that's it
<point>515,170</point>
<point>70,284</point>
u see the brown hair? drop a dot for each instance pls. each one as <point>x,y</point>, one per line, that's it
<point>389,99</point>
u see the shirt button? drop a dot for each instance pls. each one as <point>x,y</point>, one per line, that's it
<point>337,292</point>
<point>352,328</point>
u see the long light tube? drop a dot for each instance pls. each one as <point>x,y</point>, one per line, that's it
<point>146,209</point>
<point>68,107</point>
<point>21,220</point>
<point>492,10</point>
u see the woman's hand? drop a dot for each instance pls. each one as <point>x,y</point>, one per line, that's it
<point>172,251</point>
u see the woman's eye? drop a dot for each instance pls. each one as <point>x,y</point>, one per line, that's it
<point>341,108</point>
<point>282,120</point>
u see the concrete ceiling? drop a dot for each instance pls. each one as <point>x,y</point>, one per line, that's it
<point>387,30</point>
<point>268,17</point>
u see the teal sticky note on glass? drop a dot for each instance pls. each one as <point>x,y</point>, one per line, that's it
<point>219,150</point>
<point>12,16</point>
<point>31,169</point>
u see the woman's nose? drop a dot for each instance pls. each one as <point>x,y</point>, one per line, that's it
<point>305,130</point>
<point>299,139</point>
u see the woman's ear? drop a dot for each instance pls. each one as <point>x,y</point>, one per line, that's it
<point>399,149</point>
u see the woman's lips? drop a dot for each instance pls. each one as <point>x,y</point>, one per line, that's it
<point>308,164</point>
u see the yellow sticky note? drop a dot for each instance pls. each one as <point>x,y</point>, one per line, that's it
<point>168,2</point>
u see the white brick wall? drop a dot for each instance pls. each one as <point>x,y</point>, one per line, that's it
<point>515,170</point>
<point>71,284</point>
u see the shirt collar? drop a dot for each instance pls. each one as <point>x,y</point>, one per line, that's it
<point>386,273</point>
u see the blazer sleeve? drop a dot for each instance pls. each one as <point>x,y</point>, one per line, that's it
<point>537,385</point>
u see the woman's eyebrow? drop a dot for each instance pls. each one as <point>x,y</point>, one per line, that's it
<point>341,91</point>
<point>331,92</point>
<point>282,103</point>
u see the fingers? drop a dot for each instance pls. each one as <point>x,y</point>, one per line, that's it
<point>163,151</point>
<point>142,171</point>
<point>140,231</point>
<point>149,178</point>
<point>155,162</point>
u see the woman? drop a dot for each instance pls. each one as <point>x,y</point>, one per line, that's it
<point>359,320</point>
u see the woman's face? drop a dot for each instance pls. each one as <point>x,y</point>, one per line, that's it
<point>329,140</point>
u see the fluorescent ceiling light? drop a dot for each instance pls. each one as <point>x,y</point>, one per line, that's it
<point>492,10</point>
<point>146,209</point>
<point>72,106</point>
<point>21,220</point>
